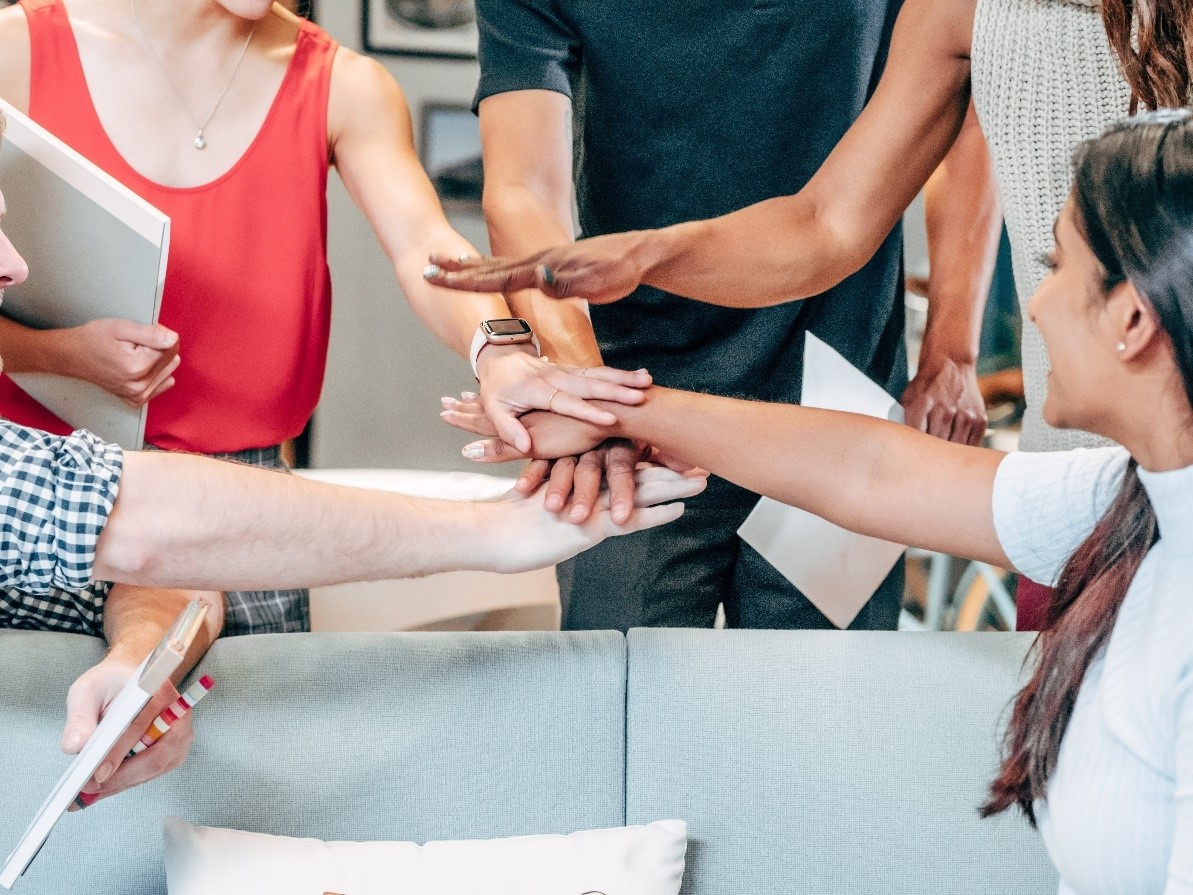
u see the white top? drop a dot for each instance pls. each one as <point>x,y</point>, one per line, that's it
<point>1119,814</point>
<point>1044,79</point>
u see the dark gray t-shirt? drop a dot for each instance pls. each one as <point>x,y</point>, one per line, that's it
<point>689,109</point>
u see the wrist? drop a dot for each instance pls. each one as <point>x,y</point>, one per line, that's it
<point>489,354</point>
<point>935,354</point>
<point>45,351</point>
<point>653,248</point>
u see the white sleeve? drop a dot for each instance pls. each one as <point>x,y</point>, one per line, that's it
<point>1180,864</point>
<point>1047,503</point>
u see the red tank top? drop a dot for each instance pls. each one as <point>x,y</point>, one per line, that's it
<point>247,284</point>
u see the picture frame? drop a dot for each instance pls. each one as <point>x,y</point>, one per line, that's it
<point>450,150</point>
<point>435,28</point>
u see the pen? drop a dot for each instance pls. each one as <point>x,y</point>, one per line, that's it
<point>168,717</point>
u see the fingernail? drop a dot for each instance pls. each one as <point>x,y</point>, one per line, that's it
<point>447,402</point>
<point>579,511</point>
<point>71,742</point>
<point>469,396</point>
<point>554,503</point>
<point>465,257</point>
<point>431,270</point>
<point>104,772</point>
<point>521,483</point>
<point>85,799</point>
<point>620,512</point>
<point>473,451</point>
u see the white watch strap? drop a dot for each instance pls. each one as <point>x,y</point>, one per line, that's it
<point>479,342</point>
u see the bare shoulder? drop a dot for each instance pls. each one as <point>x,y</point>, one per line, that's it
<point>364,95</point>
<point>14,57</point>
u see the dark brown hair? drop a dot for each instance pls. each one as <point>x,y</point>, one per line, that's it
<point>1133,202</point>
<point>1153,40</point>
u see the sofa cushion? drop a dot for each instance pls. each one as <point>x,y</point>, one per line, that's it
<point>643,860</point>
<point>334,736</point>
<point>829,762</point>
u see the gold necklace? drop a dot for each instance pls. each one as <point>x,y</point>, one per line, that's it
<point>200,140</point>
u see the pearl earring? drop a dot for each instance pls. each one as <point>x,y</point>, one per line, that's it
<point>1122,346</point>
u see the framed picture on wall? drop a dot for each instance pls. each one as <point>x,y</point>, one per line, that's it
<point>445,28</point>
<point>451,151</point>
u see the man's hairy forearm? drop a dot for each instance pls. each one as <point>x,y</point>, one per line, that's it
<point>135,618</point>
<point>184,521</point>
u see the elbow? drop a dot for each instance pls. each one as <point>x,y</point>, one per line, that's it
<point>125,560</point>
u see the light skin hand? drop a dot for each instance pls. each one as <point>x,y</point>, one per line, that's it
<point>86,702</point>
<point>135,363</point>
<point>134,620</point>
<point>571,455</point>
<point>536,537</point>
<point>514,381</point>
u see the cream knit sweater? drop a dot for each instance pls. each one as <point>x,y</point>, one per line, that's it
<point>1044,79</point>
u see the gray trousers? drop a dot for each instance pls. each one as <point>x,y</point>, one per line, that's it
<point>676,575</point>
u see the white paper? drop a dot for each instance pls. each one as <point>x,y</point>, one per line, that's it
<point>834,568</point>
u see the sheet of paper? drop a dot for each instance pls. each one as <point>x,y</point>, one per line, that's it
<point>836,569</point>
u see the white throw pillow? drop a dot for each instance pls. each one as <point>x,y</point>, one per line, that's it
<point>646,860</point>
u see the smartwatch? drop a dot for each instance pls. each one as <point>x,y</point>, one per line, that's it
<point>504,331</point>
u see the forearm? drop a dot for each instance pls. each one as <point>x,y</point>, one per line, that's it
<point>867,475</point>
<point>770,253</point>
<point>452,316</point>
<point>135,618</point>
<point>27,350</point>
<point>184,521</point>
<point>522,223</point>
<point>964,224</point>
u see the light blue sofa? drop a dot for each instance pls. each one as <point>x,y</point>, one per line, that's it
<point>804,762</point>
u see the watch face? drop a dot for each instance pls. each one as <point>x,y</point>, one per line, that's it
<point>513,326</point>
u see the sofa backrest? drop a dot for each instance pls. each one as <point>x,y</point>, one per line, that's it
<point>376,736</point>
<point>829,762</point>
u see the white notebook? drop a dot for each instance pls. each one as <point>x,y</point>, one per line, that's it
<point>122,711</point>
<point>95,249</point>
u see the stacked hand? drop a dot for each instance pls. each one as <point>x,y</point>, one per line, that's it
<point>513,382</point>
<point>602,269</point>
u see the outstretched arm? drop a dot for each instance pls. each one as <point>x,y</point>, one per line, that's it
<point>373,149</point>
<point>794,246</point>
<point>870,476</point>
<point>185,521</point>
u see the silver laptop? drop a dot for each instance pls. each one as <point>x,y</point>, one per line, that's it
<point>95,249</point>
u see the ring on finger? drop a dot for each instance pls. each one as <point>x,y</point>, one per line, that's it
<point>552,398</point>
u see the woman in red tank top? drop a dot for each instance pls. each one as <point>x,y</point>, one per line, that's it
<point>226,115</point>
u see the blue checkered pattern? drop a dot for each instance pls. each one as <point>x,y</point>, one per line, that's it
<point>55,497</point>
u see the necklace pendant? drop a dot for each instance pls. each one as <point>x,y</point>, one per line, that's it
<point>200,141</point>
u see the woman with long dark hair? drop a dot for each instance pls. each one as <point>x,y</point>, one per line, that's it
<point>1099,751</point>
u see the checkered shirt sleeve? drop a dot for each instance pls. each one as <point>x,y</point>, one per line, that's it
<point>55,497</point>
<point>1047,503</point>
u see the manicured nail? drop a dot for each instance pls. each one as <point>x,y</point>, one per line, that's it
<point>521,483</point>
<point>431,271</point>
<point>474,451</point>
<point>85,800</point>
<point>71,742</point>
<point>463,258</point>
<point>104,772</point>
<point>448,402</point>
<point>469,396</point>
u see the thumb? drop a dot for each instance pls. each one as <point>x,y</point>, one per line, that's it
<point>509,429</point>
<point>84,703</point>
<point>156,336</point>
